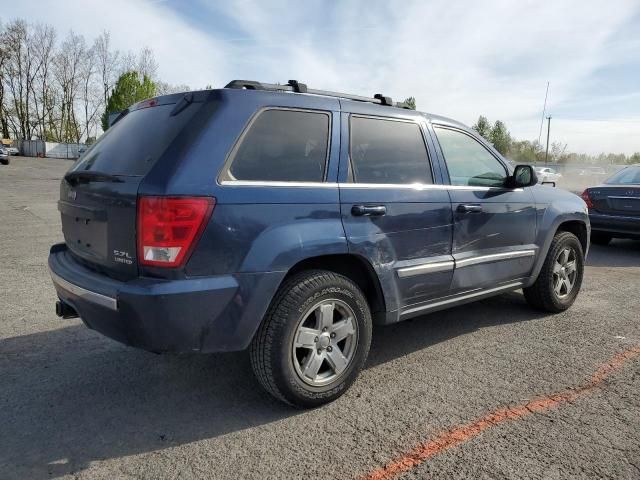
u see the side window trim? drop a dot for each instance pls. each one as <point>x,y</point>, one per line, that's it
<point>351,178</point>
<point>436,126</point>
<point>224,171</point>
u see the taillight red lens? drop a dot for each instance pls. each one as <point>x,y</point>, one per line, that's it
<point>169,228</point>
<point>587,199</point>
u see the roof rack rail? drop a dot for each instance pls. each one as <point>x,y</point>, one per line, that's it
<point>297,87</point>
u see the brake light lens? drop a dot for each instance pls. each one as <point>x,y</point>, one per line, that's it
<point>169,228</point>
<point>587,199</point>
<point>152,102</point>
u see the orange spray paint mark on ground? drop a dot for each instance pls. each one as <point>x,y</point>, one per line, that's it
<point>463,433</point>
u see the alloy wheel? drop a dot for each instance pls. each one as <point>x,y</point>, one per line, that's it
<point>325,342</point>
<point>564,272</point>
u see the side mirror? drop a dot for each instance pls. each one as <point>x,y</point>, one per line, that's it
<point>523,176</point>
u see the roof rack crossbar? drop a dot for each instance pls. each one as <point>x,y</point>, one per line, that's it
<point>297,87</point>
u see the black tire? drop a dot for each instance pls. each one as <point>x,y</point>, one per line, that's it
<point>4,161</point>
<point>271,353</point>
<point>541,294</point>
<point>600,238</point>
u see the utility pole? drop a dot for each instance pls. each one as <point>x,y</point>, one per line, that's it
<point>546,154</point>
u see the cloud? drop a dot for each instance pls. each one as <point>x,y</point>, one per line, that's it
<point>459,59</point>
<point>179,48</point>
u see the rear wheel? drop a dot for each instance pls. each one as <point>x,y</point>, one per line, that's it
<point>314,339</point>
<point>560,279</point>
<point>4,161</point>
<point>600,238</point>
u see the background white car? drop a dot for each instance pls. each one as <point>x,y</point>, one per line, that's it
<point>12,150</point>
<point>546,174</point>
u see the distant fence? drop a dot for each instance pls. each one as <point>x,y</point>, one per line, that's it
<point>63,150</point>
<point>568,168</point>
<point>39,148</point>
<point>31,148</point>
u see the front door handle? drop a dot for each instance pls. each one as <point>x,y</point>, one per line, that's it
<point>469,208</point>
<point>368,210</point>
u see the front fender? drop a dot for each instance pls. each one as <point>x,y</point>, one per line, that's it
<point>555,207</point>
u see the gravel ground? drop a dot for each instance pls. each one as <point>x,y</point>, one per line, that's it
<point>76,404</point>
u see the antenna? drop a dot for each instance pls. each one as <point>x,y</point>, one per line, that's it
<point>546,154</point>
<point>544,110</point>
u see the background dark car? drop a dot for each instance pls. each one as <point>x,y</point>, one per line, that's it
<point>4,156</point>
<point>614,206</point>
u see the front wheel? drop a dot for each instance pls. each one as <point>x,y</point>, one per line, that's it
<point>560,279</point>
<point>314,339</point>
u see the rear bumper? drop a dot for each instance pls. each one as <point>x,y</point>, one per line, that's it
<point>616,225</point>
<point>204,314</point>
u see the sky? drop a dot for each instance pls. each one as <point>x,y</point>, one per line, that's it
<point>459,59</point>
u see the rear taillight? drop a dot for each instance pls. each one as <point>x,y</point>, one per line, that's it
<point>169,228</point>
<point>587,199</point>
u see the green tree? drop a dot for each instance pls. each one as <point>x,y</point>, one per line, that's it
<point>526,152</point>
<point>130,88</point>
<point>410,102</point>
<point>500,137</point>
<point>483,127</point>
<point>558,152</point>
<point>634,159</point>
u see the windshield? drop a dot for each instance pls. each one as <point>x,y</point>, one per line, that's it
<point>627,176</point>
<point>134,143</point>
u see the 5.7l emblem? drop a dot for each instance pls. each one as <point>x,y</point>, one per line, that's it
<point>122,257</point>
<point>72,194</point>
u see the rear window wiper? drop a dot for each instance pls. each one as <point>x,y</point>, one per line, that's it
<point>85,176</point>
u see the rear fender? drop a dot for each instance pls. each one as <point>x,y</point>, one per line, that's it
<point>280,247</point>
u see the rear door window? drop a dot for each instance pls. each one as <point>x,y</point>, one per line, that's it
<point>134,143</point>
<point>284,146</point>
<point>388,152</point>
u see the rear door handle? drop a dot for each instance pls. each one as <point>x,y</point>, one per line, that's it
<point>368,210</point>
<point>469,208</point>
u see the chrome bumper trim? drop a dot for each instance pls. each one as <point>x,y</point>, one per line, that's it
<point>93,297</point>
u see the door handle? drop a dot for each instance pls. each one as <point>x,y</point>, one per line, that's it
<point>469,208</point>
<point>368,210</point>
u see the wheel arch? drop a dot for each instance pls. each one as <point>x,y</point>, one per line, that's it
<point>354,267</point>
<point>576,224</point>
<point>579,229</point>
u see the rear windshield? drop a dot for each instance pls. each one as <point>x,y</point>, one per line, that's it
<point>628,176</point>
<point>134,143</point>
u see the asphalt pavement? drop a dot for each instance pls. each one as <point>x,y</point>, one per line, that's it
<point>492,389</point>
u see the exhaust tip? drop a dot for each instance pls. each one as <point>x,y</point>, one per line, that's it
<point>64,310</point>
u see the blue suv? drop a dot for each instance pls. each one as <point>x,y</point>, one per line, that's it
<point>286,221</point>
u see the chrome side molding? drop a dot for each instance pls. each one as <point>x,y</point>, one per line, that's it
<point>467,296</point>
<point>494,257</point>
<point>443,266</point>
<point>402,186</point>
<point>432,267</point>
